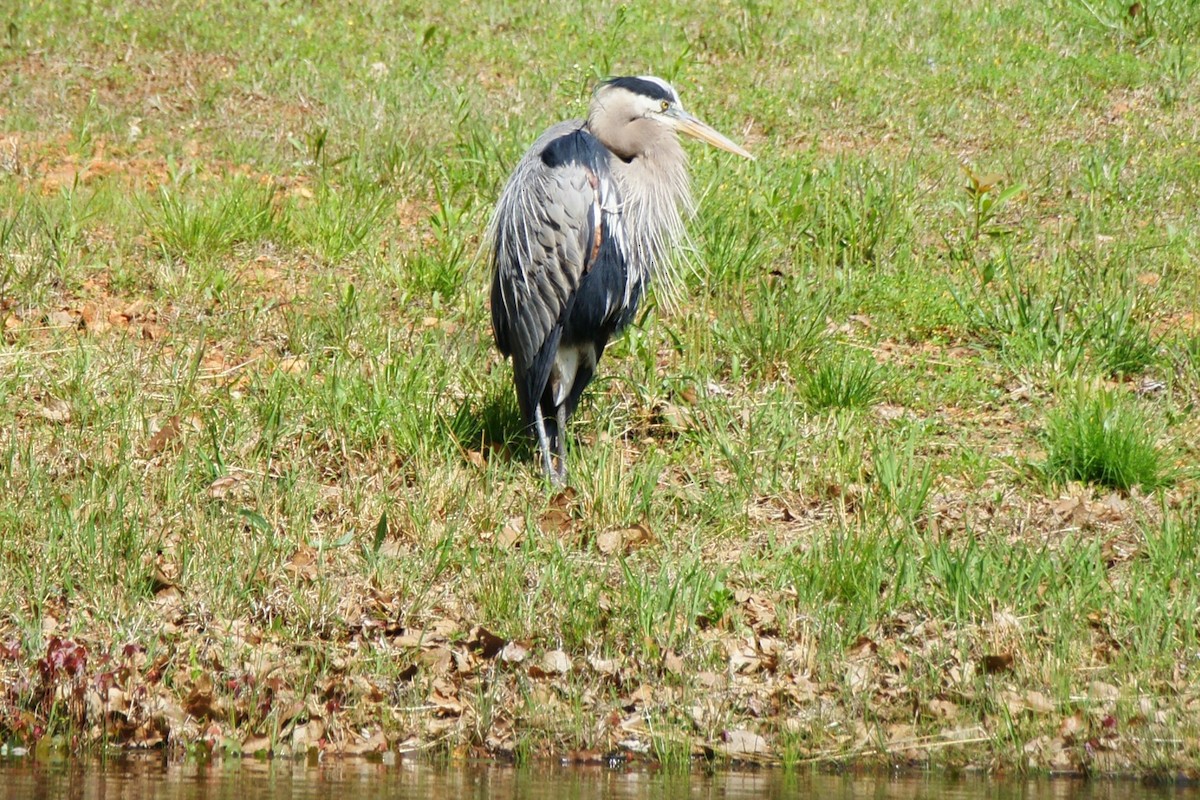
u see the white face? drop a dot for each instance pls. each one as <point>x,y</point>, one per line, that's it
<point>648,97</point>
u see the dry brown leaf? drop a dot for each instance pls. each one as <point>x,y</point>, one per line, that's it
<point>672,663</point>
<point>1071,726</point>
<point>308,735</point>
<point>962,674</point>
<point>1038,703</point>
<point>637,536</point>
<point>943,709</point>
<point>603,666</point>
<point>256,744</point>
<point>514,653</point>
<point>486,643</point>
<point>897,659</point>
<point>437,660</point>
<point>741,743</point>
<point>165,436</point>
<point>444,696</point>
<point>608,542</point>
<point>639,697</point>
<point>863,647</point>
<point>759,610</point>
<point>303,563</point>
<point>994,664</point>
<point>512,533</point>
<point>292,365</point>
<point>859,676</point>
<point>224,486</point>
<point>556,662</point>
<point>1103,692</point>
<point>55,410</point>
<point>153,332</point>
<point>1034,701</point>
<point>672,416</point>
<point>358,746</point>
<point>200,702</point>
<point>61,318</point>
<point>624,539</point>
<point>94,321</point>
<point>743,660</point>
<point>555,521</point>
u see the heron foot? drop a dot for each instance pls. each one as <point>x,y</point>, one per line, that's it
<point>558,472</point>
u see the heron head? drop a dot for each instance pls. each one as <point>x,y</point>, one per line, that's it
<point>633,110</point>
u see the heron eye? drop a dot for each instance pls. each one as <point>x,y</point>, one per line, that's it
<point>665,105</point>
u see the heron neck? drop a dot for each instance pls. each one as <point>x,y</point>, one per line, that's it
<point>656,196</point>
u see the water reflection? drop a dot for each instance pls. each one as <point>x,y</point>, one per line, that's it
<point>129,777</point>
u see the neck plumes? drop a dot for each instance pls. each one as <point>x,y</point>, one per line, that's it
<point>656,197</point>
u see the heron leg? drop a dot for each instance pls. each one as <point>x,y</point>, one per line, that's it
<point>539,424</point>
<point>561,472</point>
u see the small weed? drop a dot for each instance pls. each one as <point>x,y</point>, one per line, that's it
<point>1059,317</point>
<point>1122,344</point>
<point>842,381</point>
<point>779,330</point>
<point>979,213</point>
<point>340,222</point>
<point>194,226</point>
<point>667,606</point>
<point>1012,309</point>
<point>855,215</point>
<point>904,480</point>
<point>1101,437</point>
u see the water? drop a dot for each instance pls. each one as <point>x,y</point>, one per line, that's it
<point>154,778</point>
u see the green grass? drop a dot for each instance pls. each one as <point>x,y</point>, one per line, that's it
<point>844,492</point>
<point>841,382</point>
<point>1104,439</point>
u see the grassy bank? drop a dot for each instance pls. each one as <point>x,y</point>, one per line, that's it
<point>908,475</point>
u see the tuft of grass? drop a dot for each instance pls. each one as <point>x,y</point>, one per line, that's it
<point>196,226</point>
<point>847,381</point>
<point>340,222</point>
<point>1122,344</point>
<point>1101,437</point>
<point>905,480</point>
<point>778,330</point>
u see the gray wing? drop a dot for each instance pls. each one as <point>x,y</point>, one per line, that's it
<point>545,234</point>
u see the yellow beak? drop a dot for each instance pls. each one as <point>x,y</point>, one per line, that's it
<point>686,123</point>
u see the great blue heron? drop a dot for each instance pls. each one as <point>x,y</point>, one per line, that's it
<point>589,215</point>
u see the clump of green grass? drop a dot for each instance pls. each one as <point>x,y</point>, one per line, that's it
<point>1104,439</point>
<point>905,479</point>
<point>846,382</point>
<point>1123,344</point>
<point>195,226</point>
<point>340,222</point>
<point>777,330</point>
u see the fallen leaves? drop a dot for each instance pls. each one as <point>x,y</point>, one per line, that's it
<point>553,662</point>
<point>743,745</point>
<point>514,653</point>
<point>165,437</point>
<point>624,540</point>
<point>225,486</point>
<point>55,410</point>
<point>1016,703</point>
